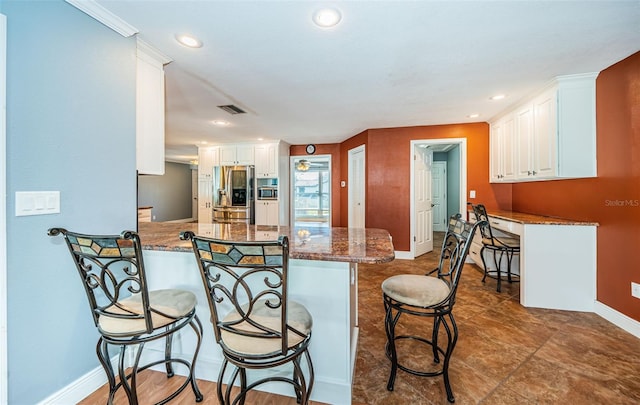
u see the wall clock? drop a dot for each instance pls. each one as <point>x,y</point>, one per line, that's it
<point>311,149</point>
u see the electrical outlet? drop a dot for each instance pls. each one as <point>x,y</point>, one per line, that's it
<point>635,290</point>
<point>472,194</point>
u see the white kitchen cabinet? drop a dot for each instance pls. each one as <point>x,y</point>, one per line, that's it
<point>267,212</point>
<point>555,132</point>
<point>205,200</point>
<point>502,141</point>
<point>537,134</point>
<point>237,155</point>
<point>207,158</point>
<point>149,109</point>
<point>266,158</point>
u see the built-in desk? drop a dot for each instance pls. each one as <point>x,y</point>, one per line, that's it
<point>557,259</point>
<point>323,277</point>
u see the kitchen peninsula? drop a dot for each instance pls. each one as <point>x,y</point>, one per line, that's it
<point>322,276</point>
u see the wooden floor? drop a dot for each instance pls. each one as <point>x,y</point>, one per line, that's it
<point>506,353</point>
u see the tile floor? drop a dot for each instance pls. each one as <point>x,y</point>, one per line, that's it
<point>506,353</point>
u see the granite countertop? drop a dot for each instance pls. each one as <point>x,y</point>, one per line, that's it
<point>533,219</point>
<point>368,245</point>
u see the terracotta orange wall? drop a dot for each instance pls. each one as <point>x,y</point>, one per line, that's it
<point>613,198</point>
<point>332,149</point>
<point>388,164</point>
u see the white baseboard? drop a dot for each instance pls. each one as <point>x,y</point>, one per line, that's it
<point>403,255</point>
<point>181,221</point>
<point>79,389</point>
<point>619,319</point>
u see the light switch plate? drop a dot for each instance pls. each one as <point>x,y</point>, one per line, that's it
<point>37,203</point>
<point>635,290</point>
<point>472,194</point>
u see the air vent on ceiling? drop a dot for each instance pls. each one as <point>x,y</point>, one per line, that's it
<point>232,109</point>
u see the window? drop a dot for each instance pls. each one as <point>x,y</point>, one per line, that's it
<point>311,185</point>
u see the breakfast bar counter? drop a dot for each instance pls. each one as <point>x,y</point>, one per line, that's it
<point>323,277</point>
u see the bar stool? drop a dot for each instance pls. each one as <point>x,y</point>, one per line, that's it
<point>498,246</point>
<point>254,322</point>
<point>126,313</point>
<point>429,296</point>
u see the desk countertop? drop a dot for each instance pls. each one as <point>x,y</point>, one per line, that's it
<point>368,245</point>
<point>533,219</point>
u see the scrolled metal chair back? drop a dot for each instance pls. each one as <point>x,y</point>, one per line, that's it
<point>239,275</point>
<point>111,268</point>
<point>480,213</point>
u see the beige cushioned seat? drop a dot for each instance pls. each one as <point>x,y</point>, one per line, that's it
<point>298,318</point>
<point>174,303</point>
<point>416,290</point>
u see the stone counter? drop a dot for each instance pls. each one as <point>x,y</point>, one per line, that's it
<point>532,219</point>
<point>306,243</point>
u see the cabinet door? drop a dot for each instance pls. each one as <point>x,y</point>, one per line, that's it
<point>495,153</point>
<point>508,141</point>
<point>545,138</point>
<point>266,157</point>
<point>205,200</point>
<point>207,159</point>
<point>228,155</point>
<point>267,213</point>
<point>524,135</point>
<point>245,155</point>
<point>233,155</point>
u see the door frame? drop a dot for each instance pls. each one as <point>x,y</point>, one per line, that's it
<point>462,143</point>
<point>4,394</point>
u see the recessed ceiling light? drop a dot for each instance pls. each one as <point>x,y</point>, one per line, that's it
<point>497,97</point>
<point>189,40</point>
<point>220,123</point>
<point>327,17</point>
<point>473,115</point>
<point>261,139</point>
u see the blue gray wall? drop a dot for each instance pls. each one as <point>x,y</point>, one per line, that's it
<point>70,127</point>
<point>169,195</point>
<point>452,157</point>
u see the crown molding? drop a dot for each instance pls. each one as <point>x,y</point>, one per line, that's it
<point>147,50</point>
<point>106,17</point>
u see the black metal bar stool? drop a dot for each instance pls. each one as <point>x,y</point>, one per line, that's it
<point>429,296</point>
<point>254,322</point>
<point>126,313</point>
<point>500,247</point>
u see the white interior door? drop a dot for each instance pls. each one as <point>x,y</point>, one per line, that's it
<point>423,201</point>
<point>3,213</point>
<point>194,195</point>
<point>357,187</point>
<point>439,181</point>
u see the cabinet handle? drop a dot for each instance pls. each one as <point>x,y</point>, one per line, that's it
<point>534,172</point>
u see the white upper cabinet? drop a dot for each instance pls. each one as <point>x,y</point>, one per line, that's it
<point>554,135</point>
<point>207,158</point>
<point>266,160</point>
<point>502,141</point>
<point>149,109</point>
<point>234,155</point>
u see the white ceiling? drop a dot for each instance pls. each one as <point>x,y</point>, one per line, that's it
<point>387,64</point>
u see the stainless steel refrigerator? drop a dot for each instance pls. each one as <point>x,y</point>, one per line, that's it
<point>233,194</point>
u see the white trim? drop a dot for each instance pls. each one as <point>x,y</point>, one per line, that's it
<point>79,389</point>
<point>151,54</point>
<point>401,254</point>
<point>4,391</point>
<point>462,142</point>
<point>181,221</point>
<point>619,319</point>
<point>106,17</point>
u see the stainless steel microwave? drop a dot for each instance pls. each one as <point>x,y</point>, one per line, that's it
<point>267,193</point>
